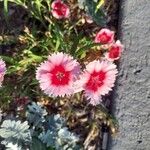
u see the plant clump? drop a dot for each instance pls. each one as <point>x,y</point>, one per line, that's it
<point>56,81</point>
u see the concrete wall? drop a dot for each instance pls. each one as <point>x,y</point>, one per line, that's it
<point>132,93</point>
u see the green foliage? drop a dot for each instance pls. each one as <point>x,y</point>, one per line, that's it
<point>97,15</point>
<point>37,145</point>
<point>15,132</point>
<point>36,8</point>
<point>94,9</point>
<point>5,94</point>
<point>57,36</point>
<point>100,3</point>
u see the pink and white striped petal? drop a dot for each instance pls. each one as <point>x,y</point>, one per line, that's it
<point>98,79</point>
<point>58,74</point>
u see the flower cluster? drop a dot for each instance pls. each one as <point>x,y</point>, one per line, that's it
<point>61,75</point>
<point>106,37</point>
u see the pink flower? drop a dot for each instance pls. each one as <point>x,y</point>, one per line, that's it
<point>58,74</point>
<point>60,10</point>
<point>98,79</point>
<point>104,36</point>
<point>2,71</point>
<point>114,51</point>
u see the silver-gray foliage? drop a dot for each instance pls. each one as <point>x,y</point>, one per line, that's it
<point>15,132</point>
<point>11,146</point>
<point>35,114</point>
<point>58,136</point>
<point>66,139</point>
<point>55,122</point>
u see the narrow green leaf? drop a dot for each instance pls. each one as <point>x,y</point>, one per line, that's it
<point>57,44</point>
<point>75,44</point>
<point>8,59</point>
<point>97,15</point>
<point>85,48</point>
<point>100,3</point>
<point>6,9</point>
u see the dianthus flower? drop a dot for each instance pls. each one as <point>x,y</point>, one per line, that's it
<point>58,74</point>
<point>104,36</point>
<point>2,71</point>
<point>114,51</point>
<point>60,10</point>
<point>98,79</point>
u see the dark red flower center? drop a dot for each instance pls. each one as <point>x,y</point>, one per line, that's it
<point>114,52</point>
<point>60,8</point>
<point>104,38</point>
<point>95,81</point>
<point>59,76</point>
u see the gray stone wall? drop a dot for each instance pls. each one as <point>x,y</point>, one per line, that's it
<point>132,94</point>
